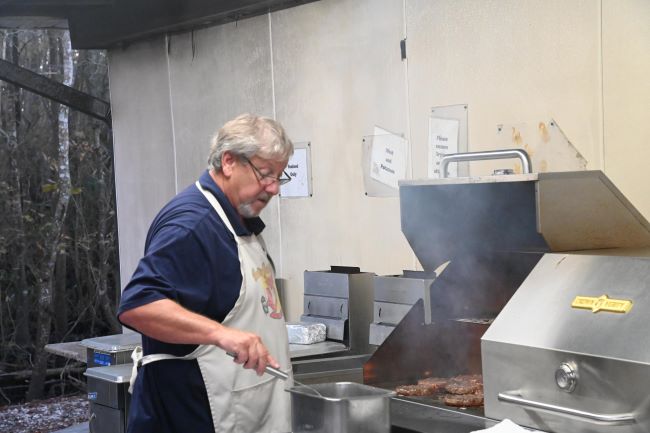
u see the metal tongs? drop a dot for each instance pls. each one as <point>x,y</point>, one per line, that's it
<point>281,375</point>
<point>270,370</point>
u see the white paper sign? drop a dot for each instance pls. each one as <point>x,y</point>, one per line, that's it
<point>298,170</point>
<point>443,140</point>
<point>388,157</point>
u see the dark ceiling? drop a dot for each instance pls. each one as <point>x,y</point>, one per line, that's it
<point>108,23</point>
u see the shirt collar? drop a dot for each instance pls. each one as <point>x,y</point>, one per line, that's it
<point>251,225</point>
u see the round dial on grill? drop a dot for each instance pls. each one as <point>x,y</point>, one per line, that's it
<point>566,377</point>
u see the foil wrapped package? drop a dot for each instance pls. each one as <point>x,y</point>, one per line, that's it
<point>306,333</point>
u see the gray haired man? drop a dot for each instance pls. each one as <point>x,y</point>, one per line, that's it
<point>205,288</point>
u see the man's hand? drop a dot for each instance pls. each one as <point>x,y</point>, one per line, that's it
<point>247,348</point>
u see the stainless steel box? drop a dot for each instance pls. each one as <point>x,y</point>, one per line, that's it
<point>394,298</point>
<point>341,407</point>
<point>104,419</point>
<point>111,349</point>
<point>109,397</point>
<point>341,298</point>
<point>109,386</point>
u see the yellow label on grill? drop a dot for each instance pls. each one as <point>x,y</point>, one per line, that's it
<point>602,303</point>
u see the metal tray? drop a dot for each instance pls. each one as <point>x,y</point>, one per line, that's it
<point>341,407</point>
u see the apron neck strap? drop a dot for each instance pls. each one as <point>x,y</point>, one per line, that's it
<point>217,207</point>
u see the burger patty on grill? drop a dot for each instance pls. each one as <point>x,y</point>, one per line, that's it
<point>465,384</point>
<point>464,400</point>
<point>413,390</point>
<point>433,384</point>
<point>428,386</point>
<point>462,391</point>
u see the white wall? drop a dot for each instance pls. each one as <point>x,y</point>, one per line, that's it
<point>331,70</point>
<point>337,74</point>
<point>145,171</point>
<point>511,61</point>
<point>626,96</point>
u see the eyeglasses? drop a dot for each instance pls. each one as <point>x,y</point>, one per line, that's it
<point>268,179</point>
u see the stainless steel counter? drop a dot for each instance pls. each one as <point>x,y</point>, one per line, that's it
<point>336,369</point>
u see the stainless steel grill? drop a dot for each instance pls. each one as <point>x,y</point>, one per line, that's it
<point>521,249</point>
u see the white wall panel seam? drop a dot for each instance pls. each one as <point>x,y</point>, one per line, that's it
<point>272,71</point>
<point>279,207</point>
<point>406,92</point>
<point>602,90</point>
<point>171,112</point>
<point>405,61</point>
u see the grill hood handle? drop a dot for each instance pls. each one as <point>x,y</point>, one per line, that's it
<point>514,397</point>
<point>488,154</point>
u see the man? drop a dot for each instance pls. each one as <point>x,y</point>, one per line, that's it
<point>205,288</point>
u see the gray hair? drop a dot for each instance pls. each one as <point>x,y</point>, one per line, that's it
<point>249,135</point>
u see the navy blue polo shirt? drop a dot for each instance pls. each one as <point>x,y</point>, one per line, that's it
<point>190,257</point>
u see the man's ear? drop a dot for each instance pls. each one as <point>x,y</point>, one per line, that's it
<point>228,161</point>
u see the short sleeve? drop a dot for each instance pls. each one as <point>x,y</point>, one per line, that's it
<point>176,266</point>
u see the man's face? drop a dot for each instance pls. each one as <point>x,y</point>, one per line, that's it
<point>254,182</point>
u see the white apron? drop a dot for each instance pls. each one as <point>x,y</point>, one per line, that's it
<point>240,400</point>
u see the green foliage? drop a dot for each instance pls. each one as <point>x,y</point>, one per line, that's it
<point>49,187</point>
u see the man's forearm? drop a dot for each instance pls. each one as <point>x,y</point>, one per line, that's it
<point>167,321</point>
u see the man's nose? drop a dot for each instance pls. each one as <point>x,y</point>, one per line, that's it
<point>273,188</point>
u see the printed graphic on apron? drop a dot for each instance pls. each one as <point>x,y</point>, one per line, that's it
<point>270,303</point>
